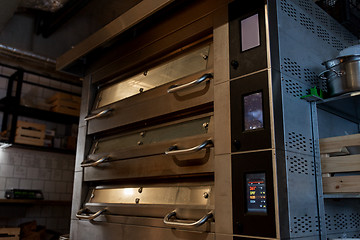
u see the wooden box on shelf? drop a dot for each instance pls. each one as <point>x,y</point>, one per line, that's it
<point>65,103</point>
<point>340,164</point>
<point>30,133</point>
<point>10,233</point>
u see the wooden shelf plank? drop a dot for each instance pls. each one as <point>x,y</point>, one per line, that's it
<point>341,184</point>
<point>7,104</point>
<point>338,144</point>
<point>348,163</point>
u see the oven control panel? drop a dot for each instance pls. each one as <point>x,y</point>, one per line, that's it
<point>256,193</point>
<point>253,194</point>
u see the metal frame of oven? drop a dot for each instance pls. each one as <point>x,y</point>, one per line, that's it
<point>297,36</point>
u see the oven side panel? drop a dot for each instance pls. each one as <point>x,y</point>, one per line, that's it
<point>222,128</point>
<point>307,37</point>
<point>83,143</point>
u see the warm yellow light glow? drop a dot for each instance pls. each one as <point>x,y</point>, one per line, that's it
<point>128,191</point>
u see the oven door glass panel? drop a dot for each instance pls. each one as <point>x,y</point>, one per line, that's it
<point>185,65</point>
<point>162,134</point>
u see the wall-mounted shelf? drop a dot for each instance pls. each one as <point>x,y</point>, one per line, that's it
<point>12,109</point>
<point>45,149</point>
<point>33,202</point>
<point>342,195</point>
<point>9,104</point>
<point>346,106</point>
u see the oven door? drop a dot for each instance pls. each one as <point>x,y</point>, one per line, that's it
<point>178,85</point>
<point>169,207</point>
<point>105,230</point>
<point>183,147</point>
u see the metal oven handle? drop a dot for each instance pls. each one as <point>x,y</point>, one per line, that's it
<point>205,144</point>
<point>198,223</point>
<point>80,215</point>
<point>95,163</point>
<point>176,88</point>
<point>100,114</point>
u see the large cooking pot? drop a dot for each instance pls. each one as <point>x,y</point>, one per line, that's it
<point>342,74</point>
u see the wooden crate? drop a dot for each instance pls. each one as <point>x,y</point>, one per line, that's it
<point>65,110</point>
<point>30,133</point>
<point>339,164</point>
<point>9,233</point>
<point>65,103</point>
<point>339,145</point>
<point>64,96</point>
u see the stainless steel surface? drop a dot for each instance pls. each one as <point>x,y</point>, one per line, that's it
<point>80,214</point>
<point>178,223</point>
<point>318,173</point>
<point>141,107</point>
<point>180,67</point>
<point>294,148</point>
<point>174,151</point>
<point>102,113</point>
<point>154,201</point>
<point>26,54</point>
<point>130,18</point>
<point>182,196</point>
<point>321,75</point>
<point>171,131</point>
<point>321,39</point>
<point>64,237</point>
<point>340,217</point>
<point>196,164</point>
<point>103,230</point>
<point>176,88</point>
<point>343,74</point>
<point>156,149</point>
<point>95,163</point>
<point>148,204</point>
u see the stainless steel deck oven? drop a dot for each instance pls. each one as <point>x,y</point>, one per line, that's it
<point>192,124</point>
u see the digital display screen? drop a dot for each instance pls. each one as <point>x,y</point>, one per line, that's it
<point>256,193</point>
<point>250,32</point>
<point>253,111</point>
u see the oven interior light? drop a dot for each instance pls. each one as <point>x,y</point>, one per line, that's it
<point>128,191</point>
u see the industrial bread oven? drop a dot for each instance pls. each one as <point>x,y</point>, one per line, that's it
<point>192,125</point>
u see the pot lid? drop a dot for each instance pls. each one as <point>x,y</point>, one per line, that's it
<point>353,50</point>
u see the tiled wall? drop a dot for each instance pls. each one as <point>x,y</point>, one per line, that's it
<point>28,169</point>
<point>32,95</point>
<point>50,172</point>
